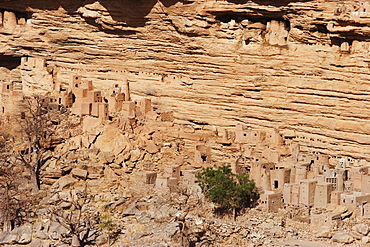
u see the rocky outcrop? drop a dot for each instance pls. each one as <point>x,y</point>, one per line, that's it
<point>298,66</point>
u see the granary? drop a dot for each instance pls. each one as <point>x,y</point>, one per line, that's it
<point>271,201</point>
<point>10,97</point>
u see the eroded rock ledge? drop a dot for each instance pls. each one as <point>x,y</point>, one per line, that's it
<point>300,66</point>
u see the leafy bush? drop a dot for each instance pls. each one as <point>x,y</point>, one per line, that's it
<point>228,190</point>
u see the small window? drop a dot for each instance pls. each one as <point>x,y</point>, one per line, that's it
<point>276,184</point>
<point>204,157</point>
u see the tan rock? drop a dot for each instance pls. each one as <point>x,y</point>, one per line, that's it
<point>151,147</point>
<point>342,237</point>
<point>324,232</point>
<point>361,228</point>
<point>64,182</point>
<point>79,173</point>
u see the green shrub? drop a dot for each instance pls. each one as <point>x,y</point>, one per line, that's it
<point>228,190</point>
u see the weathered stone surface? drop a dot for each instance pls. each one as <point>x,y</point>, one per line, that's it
<point>112,141</point>
<point>25,234</point>
<point>56,230</point>
<point>79,173</point>
<point>211,63</point>
<point>106,157</point>
<point>64,182</point>
<point>342,237</point>
<point>361,228</point>
<point>324,232</point>
<point>135,155</point>
<point>365,240</point>
<point>8,238</point>
<point>131,209</point>
<point>37,243</point>
<point>150,147</point>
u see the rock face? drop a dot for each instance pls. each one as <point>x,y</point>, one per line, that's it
<point>341,237</point>
<point>298,66</point>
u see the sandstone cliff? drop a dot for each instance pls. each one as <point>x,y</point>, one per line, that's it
<point>300,66</point>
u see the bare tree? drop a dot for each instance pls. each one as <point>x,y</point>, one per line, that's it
<point>8,205</point>
<point>78,219</point>
<point>7,209</point>
<point>39,128</point>
<point>188,200</point>
<point>13,200</point>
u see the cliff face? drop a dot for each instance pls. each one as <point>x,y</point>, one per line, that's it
<point>300,66</point>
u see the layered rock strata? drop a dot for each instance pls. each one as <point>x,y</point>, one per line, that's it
<point>301,67</point>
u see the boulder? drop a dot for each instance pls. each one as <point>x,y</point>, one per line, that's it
<point>131,209</point>
<point>56,230</point>
<point>361,228</point>
<point>90,123</point>
<point>112,141</point>
<point>171,229</point>
<point>25,234</point>
<point>324,232</point>
<point>121,142</point>
<point>106,157</point>
<point>8,238</point>
<point>151,147</point>
<point>143,218</point>
<point>365,240</point>
<point>343,238</point>
<point>79,173</point>
<point>135,155</point>
<point>48,181</point>
<point>64,182</point>
<point>356,235</point>
<point>41,235</point>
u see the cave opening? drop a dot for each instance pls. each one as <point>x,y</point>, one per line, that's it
<point>18,14</point>
<point>9,62</point>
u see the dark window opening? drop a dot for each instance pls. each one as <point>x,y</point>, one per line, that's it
<point>276,184</point>
<point>9,62</point>
<point>204,157</point>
